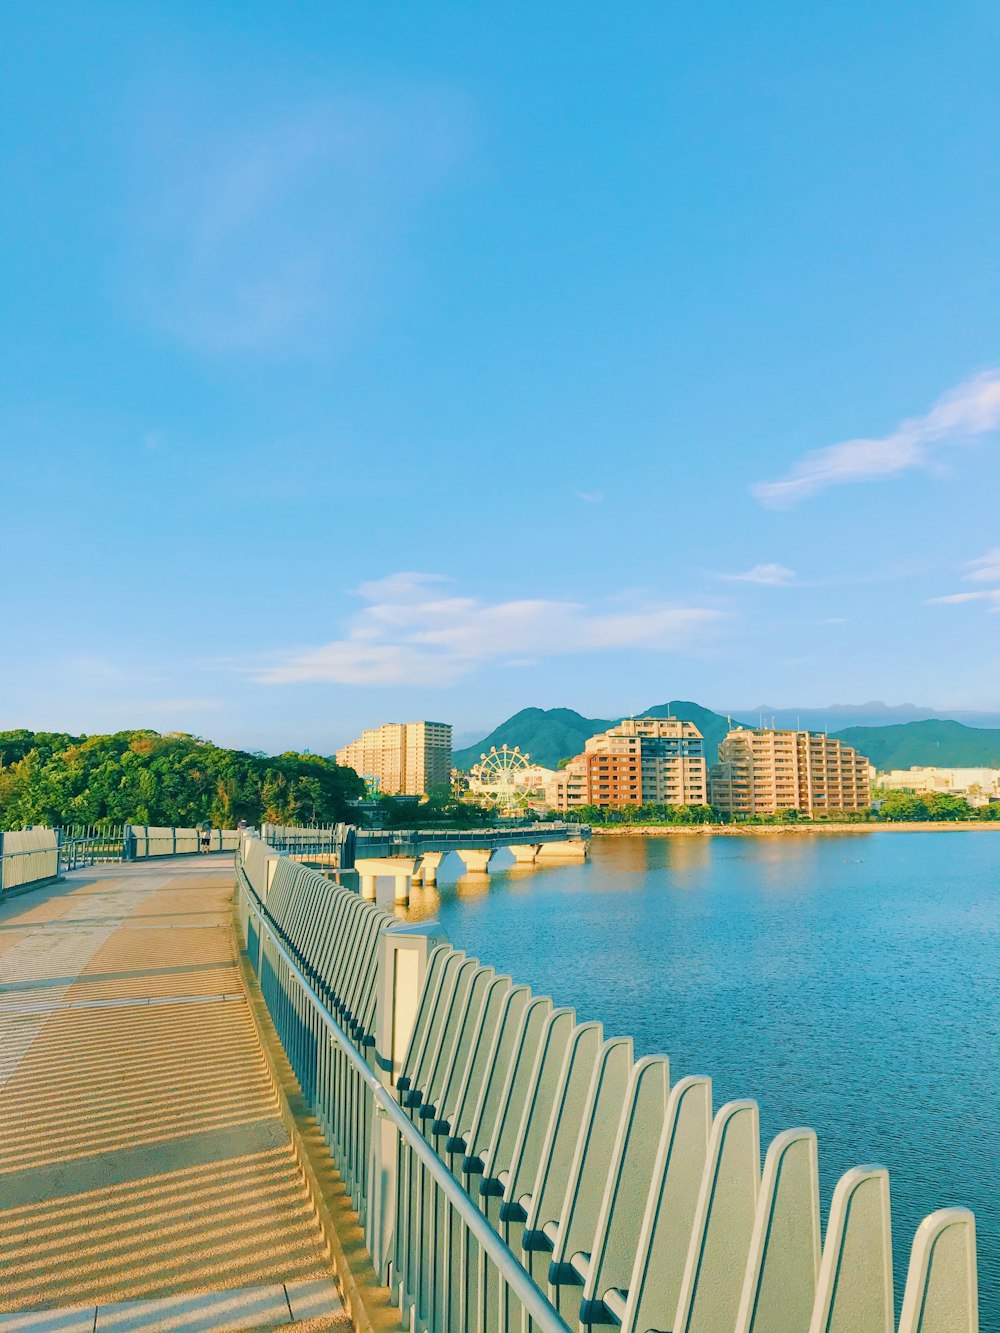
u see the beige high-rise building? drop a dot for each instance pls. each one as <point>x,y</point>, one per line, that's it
<point>760,772</point>
<point>642,760</point>
<point>402,758</point>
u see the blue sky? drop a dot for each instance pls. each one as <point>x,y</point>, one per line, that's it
<point>370,362</point>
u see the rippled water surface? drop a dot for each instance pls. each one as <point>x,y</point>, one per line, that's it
<point>847,982</point>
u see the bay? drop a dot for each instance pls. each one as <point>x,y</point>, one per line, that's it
<point>846,982</point>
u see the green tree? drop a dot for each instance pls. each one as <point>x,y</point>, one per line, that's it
<point>143,777</point>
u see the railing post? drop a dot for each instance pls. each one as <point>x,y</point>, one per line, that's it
<point>270,867</point>
<point>403,954</point>
<point>173,846</point>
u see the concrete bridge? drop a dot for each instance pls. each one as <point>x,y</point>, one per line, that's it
<point>280,1105</point>
<point>408,856</point>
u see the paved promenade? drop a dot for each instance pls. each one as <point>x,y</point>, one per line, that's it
<point>146,1178</point>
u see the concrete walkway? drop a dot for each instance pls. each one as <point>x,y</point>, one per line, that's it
<point>146,1178</point>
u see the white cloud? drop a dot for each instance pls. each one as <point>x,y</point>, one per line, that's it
<point>971,409</point>
<point>985,568</point>
<point>990,596</point>
<point>411,634</point>
<point>771,575</point>
<point>403,587</point>
<point>590,497</point>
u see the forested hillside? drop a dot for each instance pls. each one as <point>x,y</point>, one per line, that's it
<point>551,734</point>
<point>926,744</point>
<point>52,778</point>
<point>547,734</point>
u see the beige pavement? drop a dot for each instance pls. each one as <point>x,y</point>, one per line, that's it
<point>144,1167</point>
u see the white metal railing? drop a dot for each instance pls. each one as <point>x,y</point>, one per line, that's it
<point>28,856</point>
<point>34,856</point>
<point>347,1094</point>
<point>513,1168</point>
<point>150,841</point>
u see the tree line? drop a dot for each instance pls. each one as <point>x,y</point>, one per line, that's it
<point>897,807</point>
<point>143,777</point>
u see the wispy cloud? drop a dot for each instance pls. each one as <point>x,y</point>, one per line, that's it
<point>774,576</point>
<point>971,409</point>
<point>984,569</point>
<point>412,632</point>
<point>590,497</point>
<point>266,227</point>
<point>990,596</point>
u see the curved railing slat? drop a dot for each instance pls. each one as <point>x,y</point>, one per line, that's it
<point>515,1170</point>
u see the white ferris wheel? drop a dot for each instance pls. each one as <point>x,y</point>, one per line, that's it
<point>501,778</point>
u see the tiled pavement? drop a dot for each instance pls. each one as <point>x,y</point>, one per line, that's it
<point>144,1168</point>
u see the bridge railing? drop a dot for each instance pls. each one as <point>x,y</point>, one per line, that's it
<point>513,1167</point>
<point>342,842</point>
<point>33,856</point>
<point>28,856</point>
<point>362,984</point>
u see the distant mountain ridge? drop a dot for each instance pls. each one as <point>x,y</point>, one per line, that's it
<point>937,742</point>
<point>551,734</point>
<point>546,734</point>
<point>875,713</point>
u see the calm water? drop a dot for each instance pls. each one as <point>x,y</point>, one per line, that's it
<point>850,983</point>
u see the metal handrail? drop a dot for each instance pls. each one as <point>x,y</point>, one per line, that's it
<point>542,1313</point>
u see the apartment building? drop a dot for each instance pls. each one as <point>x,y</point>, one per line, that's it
<point>640,760</point>
<point>402,758</point>
<point>760,772</point>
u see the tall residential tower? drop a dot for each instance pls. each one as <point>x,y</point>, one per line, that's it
<point>642,760</point>
<point>760,772</point>
<point>402,758</point>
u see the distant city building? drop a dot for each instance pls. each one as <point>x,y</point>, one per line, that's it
<point>760,772</point>
<point>401,758</point>
<point>978,786</point>
<point>642,760</point>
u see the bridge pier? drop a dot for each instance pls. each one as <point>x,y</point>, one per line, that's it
<point>477,859</point>
<point>525,853</point>
<point>427,867</point>
<point>397,868</point>
<point>576,849</point>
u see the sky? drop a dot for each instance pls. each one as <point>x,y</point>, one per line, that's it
<point>364,363</point>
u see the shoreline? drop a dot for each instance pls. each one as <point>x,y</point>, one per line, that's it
<point>756,830</point>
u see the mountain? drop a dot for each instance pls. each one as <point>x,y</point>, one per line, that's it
<point>547,734</point>
<point>551,734</point>
<point>836,717</point>
<point>713,726</point>
<point>920,744</point>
